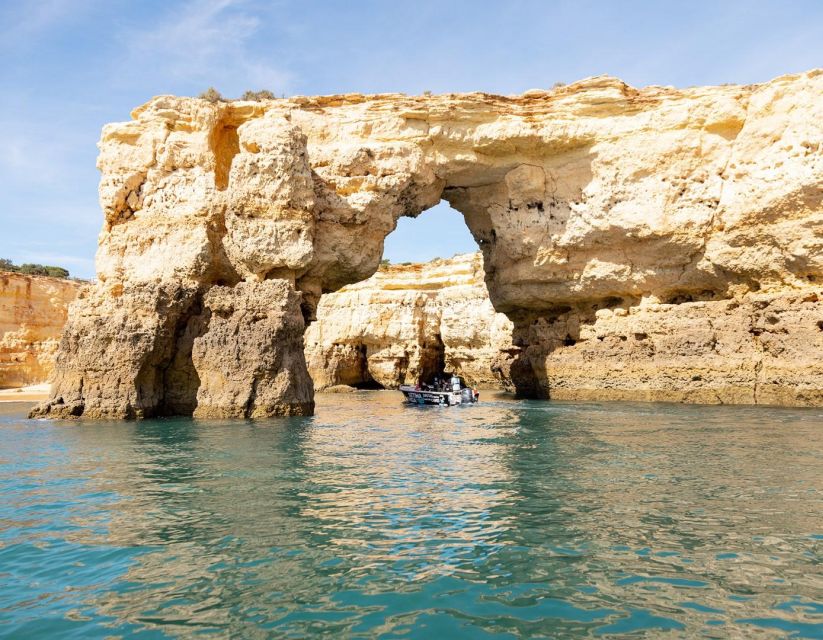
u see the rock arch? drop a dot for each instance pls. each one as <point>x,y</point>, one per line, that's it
<point>592,204</point>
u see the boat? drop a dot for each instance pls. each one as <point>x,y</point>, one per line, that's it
<point>415,394</point>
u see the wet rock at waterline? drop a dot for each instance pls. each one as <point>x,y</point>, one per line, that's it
<point>593,196</point>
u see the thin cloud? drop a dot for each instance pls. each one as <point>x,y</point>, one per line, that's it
<point>24,21</point>
<point>207,41</point>
<point>41,154</point>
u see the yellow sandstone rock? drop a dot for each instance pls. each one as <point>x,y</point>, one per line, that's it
<point>657,204</point>
<point>32,314</point>
<point>410,322</point>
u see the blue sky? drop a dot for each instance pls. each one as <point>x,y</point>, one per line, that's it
<point>69,66</point>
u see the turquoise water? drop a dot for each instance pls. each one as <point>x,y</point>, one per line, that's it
<point>505,519</point>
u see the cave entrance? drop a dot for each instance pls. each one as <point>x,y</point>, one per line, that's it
<point>365,380</point>
<point>387,366</point>
<point>433,360</point>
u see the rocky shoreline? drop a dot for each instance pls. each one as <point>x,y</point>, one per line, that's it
<point>409,321</point>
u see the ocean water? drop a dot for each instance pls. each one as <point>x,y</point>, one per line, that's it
<point>372,519</point>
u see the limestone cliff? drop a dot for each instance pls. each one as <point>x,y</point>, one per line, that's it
<point>592,197</point>
<point>753,349</point>
<point>409,322</point>
<point>32,314</point>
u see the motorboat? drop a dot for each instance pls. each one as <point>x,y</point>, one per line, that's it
<point>456,393</point>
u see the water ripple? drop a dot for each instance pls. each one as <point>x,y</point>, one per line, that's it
<point>507,519</point>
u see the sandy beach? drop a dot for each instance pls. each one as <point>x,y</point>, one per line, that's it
<point>33,393</point>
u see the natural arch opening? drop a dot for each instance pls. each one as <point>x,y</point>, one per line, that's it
<point>438,232</point>
<point>425,313</point>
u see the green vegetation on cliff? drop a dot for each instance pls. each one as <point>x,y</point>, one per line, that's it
<point>33,269</point>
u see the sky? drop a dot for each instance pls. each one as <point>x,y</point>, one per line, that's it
<point>69,66</point>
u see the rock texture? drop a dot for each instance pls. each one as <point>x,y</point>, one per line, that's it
<point>32,314</point>
<point>409,322</point>
<point>250,360</point>
<point>755,349</point>
<point>118,351</point>
<point>592,196</point>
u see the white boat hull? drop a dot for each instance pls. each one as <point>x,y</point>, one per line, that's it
<point>414,395</point>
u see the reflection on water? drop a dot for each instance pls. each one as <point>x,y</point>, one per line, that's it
<point>374,519</point>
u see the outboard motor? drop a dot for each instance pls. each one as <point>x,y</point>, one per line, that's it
<point>468,395</point>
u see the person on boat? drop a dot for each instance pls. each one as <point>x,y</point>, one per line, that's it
<point>455,383</point>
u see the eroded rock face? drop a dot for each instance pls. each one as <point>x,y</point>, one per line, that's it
<point>757,349</point>
<point>117,350</point>
<point>408,322</point>
<point>579,196</point>
<point>33,311</point>
<point>249,358</point>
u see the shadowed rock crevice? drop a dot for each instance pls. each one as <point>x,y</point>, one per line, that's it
<point>433,360</point>
<point>225,145</point>
<point>181,381</point>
